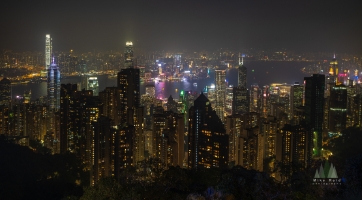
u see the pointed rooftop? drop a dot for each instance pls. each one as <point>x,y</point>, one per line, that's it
<point>202,98</point>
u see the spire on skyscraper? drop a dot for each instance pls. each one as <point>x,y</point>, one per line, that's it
<point>242,60</point>
<point>128,55</point>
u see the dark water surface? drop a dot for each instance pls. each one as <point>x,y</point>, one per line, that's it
<point>259,72</point>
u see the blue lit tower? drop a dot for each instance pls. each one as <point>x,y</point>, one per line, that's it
<point>53,87</point>
<point>53,96</point>
<point>314,109</point>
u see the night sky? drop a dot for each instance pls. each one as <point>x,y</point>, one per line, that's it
<point>312,26</point>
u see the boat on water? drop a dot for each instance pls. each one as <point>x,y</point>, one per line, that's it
<point>195,84</point>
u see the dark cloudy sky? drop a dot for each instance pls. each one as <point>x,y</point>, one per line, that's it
<point>318,25</point>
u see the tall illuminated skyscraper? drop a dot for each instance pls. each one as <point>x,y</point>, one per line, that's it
<point>208,141</point>
<point>129,85</point>
<point>48,51</point>
<point>92,84</point>
<point>255,102</point>
<point>128,55</point>
<point>242,74</point>
<point>53,97</point>
<point>333,66</point>
<point>220,89</point>
<point>53,88</point>
<point>241,93</point>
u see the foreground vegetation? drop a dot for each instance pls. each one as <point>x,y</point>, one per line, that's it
<point>35,174</point>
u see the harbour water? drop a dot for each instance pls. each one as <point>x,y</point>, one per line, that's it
<point>259,72</point>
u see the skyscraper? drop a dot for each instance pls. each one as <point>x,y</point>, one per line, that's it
<point>68,115</point>
<point>295,154</point>
<point>53,87</point>
<point>128,82</point>
<point>333,67</point>
<point>241,93</point>
<point>53,97</point>
<point>109,100</point>
<point>242,74</point>
<point>255,102</point>
<point>208,142</point>
<point>220,89</point>
<point>314,109</point>
<point>128,55</point>
<point>150,89</point>
<point>337,117</point>
<point>48,51</point>
<point>92,84</point>
<point>296,96</point>
<point>5,92</point>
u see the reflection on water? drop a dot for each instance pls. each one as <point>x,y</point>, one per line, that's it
<point>259,72</point>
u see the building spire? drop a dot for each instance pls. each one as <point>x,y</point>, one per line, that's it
<point>242,60</point>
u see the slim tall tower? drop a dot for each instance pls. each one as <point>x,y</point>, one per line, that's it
<point>255,103</point>
<point>242,74</point>
<point>220,89</point>
<point>53,87</point>
<point>128,55</point>
<point>314,109</point>
<point>53,97</point>
<point>129,85</point>
<point>48,51</point>
<point>241,93</point>
<point>337,118</point>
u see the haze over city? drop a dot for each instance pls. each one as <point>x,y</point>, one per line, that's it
<point>328,26</point>
<point>195,100</point>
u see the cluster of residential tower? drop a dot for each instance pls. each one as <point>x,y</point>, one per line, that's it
<point>119,127</point>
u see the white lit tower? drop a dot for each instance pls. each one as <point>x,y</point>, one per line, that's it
<point>242,74</point>
<point>128,55</point>
<point>48,51</point>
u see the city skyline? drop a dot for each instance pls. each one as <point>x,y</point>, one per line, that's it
<point>170,100</point>
<point>201,25</point>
